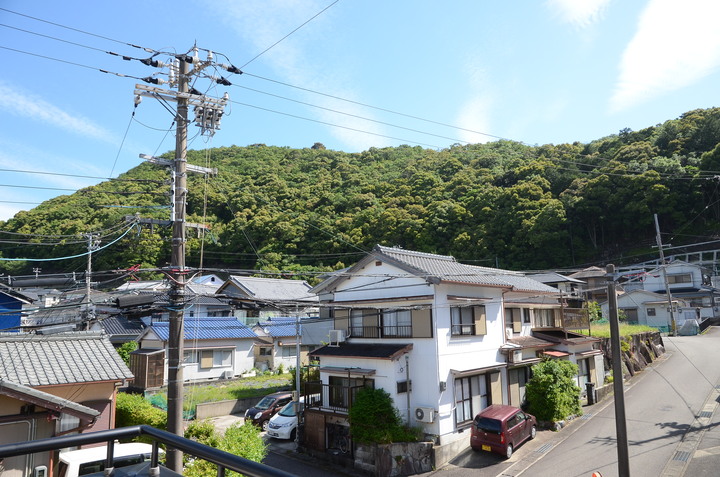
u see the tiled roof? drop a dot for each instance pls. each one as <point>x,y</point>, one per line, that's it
<point>206,329</point>
<point>120,325</point>
<point>530,342</point>
<point>64,358</point>
<point>446,269</point>
<point>272,289</point>
<point>363,350</point>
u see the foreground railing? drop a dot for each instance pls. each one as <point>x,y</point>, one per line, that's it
<point>224,460</point>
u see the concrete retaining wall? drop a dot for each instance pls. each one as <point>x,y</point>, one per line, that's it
<point>223,408</point>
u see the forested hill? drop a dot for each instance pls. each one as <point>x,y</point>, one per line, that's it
<point>501,203</point>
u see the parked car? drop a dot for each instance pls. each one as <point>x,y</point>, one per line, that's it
<point>283,425</point>
<point>501,428</point>
<point>75,463</point>
<point>268,406</point>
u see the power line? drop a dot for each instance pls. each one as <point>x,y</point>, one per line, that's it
<point>283,38</point>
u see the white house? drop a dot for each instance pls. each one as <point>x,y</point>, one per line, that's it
<point>651,309</point>
<point>213,348</point>
<point>425,328</point>
<point>689,282</point>
<point>258,298</point>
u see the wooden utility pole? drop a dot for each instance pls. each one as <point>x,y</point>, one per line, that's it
<point>620,422</point>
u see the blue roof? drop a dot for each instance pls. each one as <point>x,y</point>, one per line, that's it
<point>207,329</point>
<point>279,326</point>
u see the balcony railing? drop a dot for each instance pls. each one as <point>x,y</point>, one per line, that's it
<point>330,397</point>
<point>566,319</point>
<point>224,460</point>
<point>390,331</point>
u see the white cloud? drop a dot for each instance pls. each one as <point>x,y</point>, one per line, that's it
<point>475,112</point>
<point>580,13</point>
<point>675,45</point>
<point>262,23</point>
<point>20,103</point>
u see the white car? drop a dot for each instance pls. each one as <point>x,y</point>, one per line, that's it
<point>283,425</point>
<point>88,461</point>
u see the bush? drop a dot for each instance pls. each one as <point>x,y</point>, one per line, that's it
<point>551,392</point>
<point>375,420</point>
<point>244,441</point>
<point>125,349</point>
<point>134,410</point>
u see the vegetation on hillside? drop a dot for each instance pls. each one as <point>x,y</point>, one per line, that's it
<point>303,211</point>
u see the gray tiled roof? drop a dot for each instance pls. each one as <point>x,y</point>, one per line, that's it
<point>64,358</point>
<point>446,269</point>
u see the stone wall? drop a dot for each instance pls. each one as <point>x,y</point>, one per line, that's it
<point>398,459</point>
<point>641,350</point>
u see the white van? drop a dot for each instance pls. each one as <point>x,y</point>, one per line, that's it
<point>87,461</point>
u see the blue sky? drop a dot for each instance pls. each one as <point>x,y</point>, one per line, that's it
<point>366,73</point>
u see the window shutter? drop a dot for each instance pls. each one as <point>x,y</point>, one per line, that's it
<point>422,323</point>
<point>342,319</point>
<point>517,320</point>
<point>206,359</point>
<point>480,318</point>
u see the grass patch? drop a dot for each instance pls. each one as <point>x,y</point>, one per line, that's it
<point>602,330</point>
<point>242,388</point>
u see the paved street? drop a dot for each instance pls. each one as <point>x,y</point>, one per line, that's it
<point>672,421</point>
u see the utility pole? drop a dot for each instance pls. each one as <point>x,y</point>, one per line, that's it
<point>177,272</point>
<point>92,245</point>
<point>673,328</point>
<point>619,396</point>
<point>208,112</point>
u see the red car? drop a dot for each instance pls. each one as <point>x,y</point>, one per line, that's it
<point>500,428</point>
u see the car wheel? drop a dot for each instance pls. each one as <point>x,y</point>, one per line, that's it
<point>508,451</point>
<point>264,425</point>
<point>293,434</point>
<point>533,432</point>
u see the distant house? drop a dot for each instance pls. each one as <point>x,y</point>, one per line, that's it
<point>595,287</point>
<point>651,309</point>
<point>213,349</point>
<point>276,343</point>
<point>256,298</point>
<point>121,329</point>
<point>11,308</point>
<point>55,384</point>
<point>569,287</point>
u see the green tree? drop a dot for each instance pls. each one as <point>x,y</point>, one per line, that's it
<point>125,349</point>
<point>134,410</point>
<point>552,392</point>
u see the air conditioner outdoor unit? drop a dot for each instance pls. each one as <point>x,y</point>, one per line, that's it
<point>227,375</point>
<point>424,414</point>
<point>516,356</point>
<point>337,336</point>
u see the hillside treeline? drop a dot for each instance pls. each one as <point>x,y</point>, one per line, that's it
<point>502,204</point>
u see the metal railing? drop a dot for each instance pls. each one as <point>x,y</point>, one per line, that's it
<point>224,460</point>
<point>330,397</point>
<point>384,331</point>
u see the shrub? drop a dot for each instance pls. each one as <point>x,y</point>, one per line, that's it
<point>244,441</point>
<point>375,420</point>
<point>134,409</point>
<point>551,392</point>
<point>125,349</point>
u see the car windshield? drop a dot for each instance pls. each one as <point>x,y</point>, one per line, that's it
<point>488,425</point>
<point>265,403</point>
<point>289,409</point>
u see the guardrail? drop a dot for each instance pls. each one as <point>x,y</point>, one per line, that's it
<point>224,460</point>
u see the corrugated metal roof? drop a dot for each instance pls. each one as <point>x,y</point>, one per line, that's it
<point>206,329</point>
<point>64,358</point>
<point>272,289</point>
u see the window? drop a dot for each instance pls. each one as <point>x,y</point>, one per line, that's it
<point>544,318</point>
<point>342,390</point>
<point>470,397</point>
<point>397,323</point>
<point>190,356</point>
<point>526,315</point>
<point>681,278</point>
<point>462,321</point>
<point>206,358</point>
<point>583,373</point>
<point>356,322</point>
<point>513,319</point>
<point>222,357</point>
<point>265,351</point>
<point>288,351</point>
<point>651,312</point>
<point>402,387</point>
